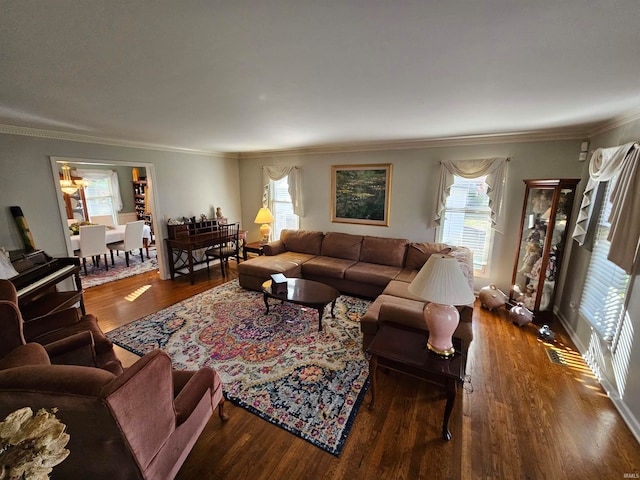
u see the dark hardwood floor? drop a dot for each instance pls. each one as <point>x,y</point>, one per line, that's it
<point>518,416</point>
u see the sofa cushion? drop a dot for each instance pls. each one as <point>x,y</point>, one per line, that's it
<point>327,267</point>
<point>400,289</point>
<point>406,275</point>
<point>342,245</point>
<point>419,253</point>
<point>384,251</point>
<point>303,241</point>
<point>371,273</point>
<point>264,266</point>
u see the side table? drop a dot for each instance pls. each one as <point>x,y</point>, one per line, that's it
<point>253,247</point>
<point>404,350</point>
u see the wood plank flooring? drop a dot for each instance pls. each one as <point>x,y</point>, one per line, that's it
<point>518,416</point>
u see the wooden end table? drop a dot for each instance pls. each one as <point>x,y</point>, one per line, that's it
<point>306,293</point>
<point>253,247</point>
<point>404,350</point>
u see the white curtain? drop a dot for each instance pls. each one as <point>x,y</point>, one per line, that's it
<point>624,233</point>
<point>113,180</point>
<point>278,172</point>
<point>493,168</point>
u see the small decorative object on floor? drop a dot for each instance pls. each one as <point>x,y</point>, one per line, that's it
<point>31,445</point>
<point>520,315</point>
<point>492,297</point>
<point>546,334</point>
<point>278,284</point>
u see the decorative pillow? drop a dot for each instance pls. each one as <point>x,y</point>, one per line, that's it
<point>6,267</point>
<point>419,253</point>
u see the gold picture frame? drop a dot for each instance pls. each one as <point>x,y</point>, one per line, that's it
<point>361,194</point>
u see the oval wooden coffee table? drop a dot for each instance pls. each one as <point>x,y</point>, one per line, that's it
<point>306,293</point>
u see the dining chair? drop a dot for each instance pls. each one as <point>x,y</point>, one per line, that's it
<point>103,220</point>
<point>228,246</point>
<point>132,241</point>
<point>93,244</point>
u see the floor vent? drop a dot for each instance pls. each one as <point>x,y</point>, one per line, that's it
<point>556,357</point>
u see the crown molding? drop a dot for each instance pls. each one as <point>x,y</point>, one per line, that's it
<point>519,137</point>
<point>615,122</point>
<point>77,137</point>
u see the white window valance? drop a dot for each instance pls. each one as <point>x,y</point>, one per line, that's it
<point>277,172</point>
<point>112,176</point>
<point>493,168</point>
<point>606,163</point>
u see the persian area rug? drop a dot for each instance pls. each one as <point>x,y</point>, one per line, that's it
<point>278,366</point>
<point>98,276</point>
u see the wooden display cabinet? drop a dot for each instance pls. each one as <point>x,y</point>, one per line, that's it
<point>546,215</point>
<point>140,198</point>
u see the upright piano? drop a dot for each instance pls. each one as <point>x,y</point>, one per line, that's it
<point>37,284</point>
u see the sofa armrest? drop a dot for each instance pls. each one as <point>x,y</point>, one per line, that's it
<point>274,248</point>
<point>407,315</point>
<point>199,384</point>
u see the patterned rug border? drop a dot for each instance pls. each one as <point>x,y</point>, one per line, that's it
<point>348,424</point>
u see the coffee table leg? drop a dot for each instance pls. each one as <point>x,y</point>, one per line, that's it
<point>320,315</point>
<point>373,366</point>
<point>333,305</point>
<point>266,302</point>
<point>451,400</point>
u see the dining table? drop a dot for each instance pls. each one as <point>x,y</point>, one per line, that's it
<point>116,234</point>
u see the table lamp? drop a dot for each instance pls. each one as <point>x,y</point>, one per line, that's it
<point>441,283</point>
<point>265,217</point>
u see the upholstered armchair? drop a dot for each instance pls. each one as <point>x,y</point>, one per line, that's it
<point>141,424</point>
<point>68,336</point>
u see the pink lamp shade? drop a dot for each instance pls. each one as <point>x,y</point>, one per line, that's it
<point>441,283</point>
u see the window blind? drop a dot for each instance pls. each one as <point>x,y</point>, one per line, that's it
<point>282,207</point>
<point>467,219</point>
<point>605,288</point>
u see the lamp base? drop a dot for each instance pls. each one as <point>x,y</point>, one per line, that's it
<point>265,231</point>
<point>443,353</point>
<point>442,321</point>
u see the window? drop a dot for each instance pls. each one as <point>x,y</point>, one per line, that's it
<point>467,220</point>
<point>99,197</point>
<point>281,207</point>
<point>605,288</point>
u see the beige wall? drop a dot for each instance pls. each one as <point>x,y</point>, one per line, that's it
<point>415,179</point>
<point>187,185</point>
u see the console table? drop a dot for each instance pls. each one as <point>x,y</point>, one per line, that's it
<point>403,349</point>
<point>184,240</point>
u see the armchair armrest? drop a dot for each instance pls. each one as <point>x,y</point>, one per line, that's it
<point>142,399</point>
<point>199,384</point>
<point>77,349</point>
<point>274,248</point>
<point>53,321</point>
<point>29,354</point>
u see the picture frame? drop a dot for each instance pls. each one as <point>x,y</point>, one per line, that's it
<point>361,194</point>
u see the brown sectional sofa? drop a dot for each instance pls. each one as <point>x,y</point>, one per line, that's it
<point>373,267</point>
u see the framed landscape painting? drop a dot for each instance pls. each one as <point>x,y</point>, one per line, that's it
<point>361,194</point>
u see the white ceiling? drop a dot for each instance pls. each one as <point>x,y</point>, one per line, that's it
<point>249,75</point>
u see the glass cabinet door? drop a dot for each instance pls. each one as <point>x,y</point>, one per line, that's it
<point>545,216</point>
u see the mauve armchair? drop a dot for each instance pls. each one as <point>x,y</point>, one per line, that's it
<point>68,336</point>
<point>141,424</point>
